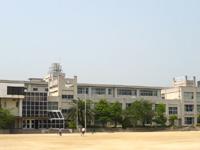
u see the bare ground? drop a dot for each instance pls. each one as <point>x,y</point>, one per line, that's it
<point>188,140</point>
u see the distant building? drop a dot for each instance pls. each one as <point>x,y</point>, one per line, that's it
<point>43,103</point>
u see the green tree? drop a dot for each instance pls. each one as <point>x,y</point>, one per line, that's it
<point>81,112</point>
<point>102,112</point>
<point>172,119</point>
<point>116,112</point>
<point>140,111</point>
<point>79,107</point>
<point>6,119</point>
<point>159,117</point>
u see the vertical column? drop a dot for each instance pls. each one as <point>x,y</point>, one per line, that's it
<point>90,91</point>
<point>138,93</point>
<point>115,92</point>
<point>20,108</point>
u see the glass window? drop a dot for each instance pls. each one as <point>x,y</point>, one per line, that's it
<point>67,96</point>
<point>15,90</point>
<point>189,108</point>
<point>35,89</point>
<point>189,120</point>
<point>148,93</point>
<point>188,95</point>
<point>173,111</point>
<point>198,96</point>
<point>82,90</point>
<point>52,105</point>
<point>198,108</point>
<point>126,92</point>
<point>110,91</point>
<point>99,91</point>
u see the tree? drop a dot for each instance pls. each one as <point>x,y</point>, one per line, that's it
<point>81,112</point>
<point>116,112</point>
<point>172,119</point>
<point>102,112</point>
<point>140,111</point>
<point>79,107</point>
<point>160,118</point>
<point>6,119</point>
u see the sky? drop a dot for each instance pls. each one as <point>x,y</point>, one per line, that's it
<point>134,42</point>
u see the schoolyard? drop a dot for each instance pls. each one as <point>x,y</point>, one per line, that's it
<point>185,140</point>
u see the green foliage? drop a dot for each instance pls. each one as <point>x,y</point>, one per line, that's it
<point>102,112</point>
<point>72,124</point>
<point>116,112</point>
<point>172,119</point>
<point>140,111</point>
<point>159,117</point>
<point>6,119</point>
<point>79,107</point>
<point>81,112</point>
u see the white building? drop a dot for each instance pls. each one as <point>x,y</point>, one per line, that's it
<point>40,103</point>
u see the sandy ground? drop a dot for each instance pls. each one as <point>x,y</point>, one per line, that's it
<point>103,141</point>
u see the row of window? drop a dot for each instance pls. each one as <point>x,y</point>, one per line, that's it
<point>120,91</point>
<point>35,94</point>
<point>67,96</point>
<point>190,95</point>
<point>39,124</point>
<point>15,90</point>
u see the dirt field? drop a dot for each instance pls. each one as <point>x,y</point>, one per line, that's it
<point>103,141</point>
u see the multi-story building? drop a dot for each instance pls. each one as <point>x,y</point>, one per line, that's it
<point>187,96</point>
<point>44,103</point>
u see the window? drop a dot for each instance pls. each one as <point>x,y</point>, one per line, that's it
<point>15,90</point>
<point>46,89</point>
<point>198,96</point>
<point>189,108</point>
<point>99,91</point>
<point>67,96</point>
<point>82,90</point>
<point>35,89</point>
<point>189,120</point>
<point>52,105</point>
<point>126,92</point>
<point>128,105</point>
<point>173,111</point>
<point>198,108</point>
<point>188,95</point>
<point>148,93</point>
<point>109,91</point>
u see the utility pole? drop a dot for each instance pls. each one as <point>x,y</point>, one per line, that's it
<point>85,112</point>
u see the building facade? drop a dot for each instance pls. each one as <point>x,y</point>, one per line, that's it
<point>43,103</point>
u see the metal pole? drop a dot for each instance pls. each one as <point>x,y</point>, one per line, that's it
<point>77,114</point>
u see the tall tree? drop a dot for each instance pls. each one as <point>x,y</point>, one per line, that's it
<point>160,117</point>
<point>116,112</point>
<point>6,119</point>
<point>102,112</point>
<point>79,107</point>
<point>141,112</point>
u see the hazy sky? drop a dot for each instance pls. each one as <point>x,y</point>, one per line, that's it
<point>139,42</point>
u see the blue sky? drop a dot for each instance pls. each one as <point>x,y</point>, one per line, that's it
<point>142,42</point>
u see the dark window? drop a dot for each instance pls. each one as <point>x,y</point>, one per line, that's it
<point>15,90</point>
<point>35,89</point>
<point>109,91</point>
<point>126,92</point>
<point>67,96</point>
<point>82,90</point>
